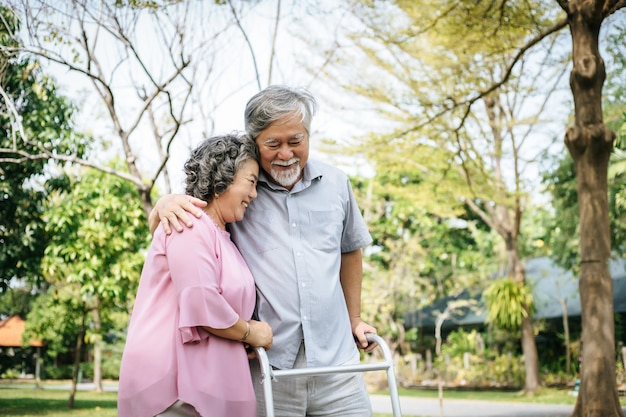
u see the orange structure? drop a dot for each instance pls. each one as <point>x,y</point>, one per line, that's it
<point>11,331</point>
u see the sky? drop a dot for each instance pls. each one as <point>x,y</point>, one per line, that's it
<point>229,78</point>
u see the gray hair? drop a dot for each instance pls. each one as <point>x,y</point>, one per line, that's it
<point>212,166</point>
<point>274,103</point>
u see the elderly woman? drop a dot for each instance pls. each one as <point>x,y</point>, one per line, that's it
<point>185,351</point>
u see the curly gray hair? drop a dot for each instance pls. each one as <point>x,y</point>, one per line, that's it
<point>275,102</point>
<point>212,166</point>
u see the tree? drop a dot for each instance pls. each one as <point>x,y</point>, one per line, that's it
<point>590,143</point>
<point>416,256</point>
<point>153,75</point>
<point>465,107</point>
<point>420,69</point>
<point>563,239</point>
<point>103,46</point>
<point>98,239</point>
<point>30,99</point>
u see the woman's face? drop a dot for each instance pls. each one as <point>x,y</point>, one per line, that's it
<point>233,202</point>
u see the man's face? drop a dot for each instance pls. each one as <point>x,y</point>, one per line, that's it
<point>284,148</point>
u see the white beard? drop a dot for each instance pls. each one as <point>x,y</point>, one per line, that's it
<point>286,178</point>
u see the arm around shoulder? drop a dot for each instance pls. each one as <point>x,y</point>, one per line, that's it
<point>171,209</point>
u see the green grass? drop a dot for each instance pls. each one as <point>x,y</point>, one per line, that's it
<point>53,403</point>
<point>22,399</point>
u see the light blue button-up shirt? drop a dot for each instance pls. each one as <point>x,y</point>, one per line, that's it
<point>292,242</point>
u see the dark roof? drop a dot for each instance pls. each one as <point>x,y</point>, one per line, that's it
<point>549,283</point>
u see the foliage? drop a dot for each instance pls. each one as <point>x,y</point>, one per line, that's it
<point>460,341</point>
<point>506,300</point>
<point>17,361</point>
<point>416,256</point>
<point>99,234</point>
<point>504,370</point>
<point>614,91</point>
<point>93,262</point>
<point>465,361</point>
<point>56,325</point>
<point>563,239</point>
<point>465,118</point>
<point>146,71</point>
<point>464,124</point>
<point>46,116</point>
<point>16,301</point>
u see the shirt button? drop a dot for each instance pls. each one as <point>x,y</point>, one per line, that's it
<point>293,225</point>
<point>303,284</point>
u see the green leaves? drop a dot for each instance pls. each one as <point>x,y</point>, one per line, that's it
<point>98,236</point>
<point>508,302</point>
<point>46,117</point>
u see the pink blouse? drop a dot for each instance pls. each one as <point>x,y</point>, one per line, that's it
<point>191,279</point>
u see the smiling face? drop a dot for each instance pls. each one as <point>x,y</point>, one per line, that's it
<point>284,148</point>
<point>231,205</point>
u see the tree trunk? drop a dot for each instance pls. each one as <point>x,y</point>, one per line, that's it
<point>77,356</point>
<point>531,358</point>
<point>566,341</point>
<point>529,345</point>
<point>589,143</point>
<point>97,350</point>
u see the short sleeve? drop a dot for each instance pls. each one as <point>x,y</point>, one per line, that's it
<point>355,233</point>
<point>195,262</point>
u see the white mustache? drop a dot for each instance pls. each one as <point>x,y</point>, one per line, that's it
<point>286,163</point>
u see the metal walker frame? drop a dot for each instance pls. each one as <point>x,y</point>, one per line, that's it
<point>268,374</point>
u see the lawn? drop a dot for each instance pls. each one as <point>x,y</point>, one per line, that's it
<point>53,403</point>
<point>24,400</point>
<point>28,402</point>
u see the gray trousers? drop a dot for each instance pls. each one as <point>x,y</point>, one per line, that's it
<point>337,395</point>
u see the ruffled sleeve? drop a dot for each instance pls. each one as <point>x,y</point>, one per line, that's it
<point>195,263</point>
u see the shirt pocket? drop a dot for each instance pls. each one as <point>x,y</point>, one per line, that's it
<point>258,232</point>
<point>326,228</point>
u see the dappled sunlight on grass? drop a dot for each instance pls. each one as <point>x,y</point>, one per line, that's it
<point>53,403</point>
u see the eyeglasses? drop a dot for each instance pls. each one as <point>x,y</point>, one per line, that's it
<point>275,144</point>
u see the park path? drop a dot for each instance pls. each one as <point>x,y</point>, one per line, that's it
<point>429,407</point>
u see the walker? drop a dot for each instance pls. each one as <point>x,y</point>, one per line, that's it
<point>268,374</point>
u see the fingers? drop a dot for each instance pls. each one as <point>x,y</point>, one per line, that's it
<point>362,341</point>
<point>178,215</point>
<point>176,212</point>
<point>360,329</point>
<point>166,226</point>
<point>196,202</point>
<point>192,205</point>
<point>370,347</point>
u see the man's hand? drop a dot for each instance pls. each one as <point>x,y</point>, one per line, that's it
<point>173,209</point>
<point>359,328</point>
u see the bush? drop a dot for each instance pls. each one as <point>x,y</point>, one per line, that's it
<point>53,371</point>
